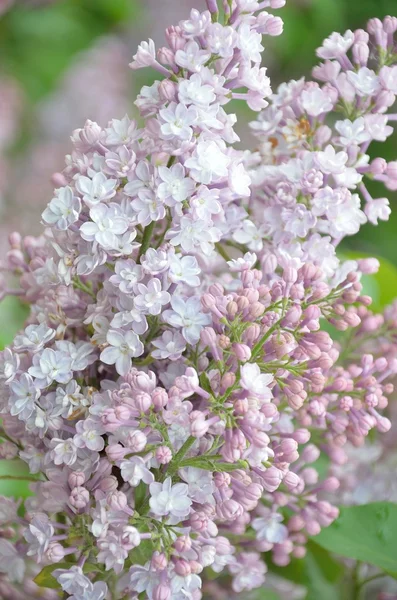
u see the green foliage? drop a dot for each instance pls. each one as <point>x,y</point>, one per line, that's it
<point>38,43</point>
<point>318,572</point>
<point>12,317</point>
<point>15,488</point>
<point>142,553</point>
<point>366,533</point>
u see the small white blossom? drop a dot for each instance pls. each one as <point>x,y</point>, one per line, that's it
<point>178,121</point>
<point>123,346</point>
<point>63,210</point>
<point>152,297</point>
<point>170,500</point>
<point>187,315</point>
<point>134,470</point>
<point>169,345</point>
<point>95,190</point>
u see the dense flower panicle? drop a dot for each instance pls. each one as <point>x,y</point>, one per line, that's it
<point>312,163</point>
<point>169,399</point>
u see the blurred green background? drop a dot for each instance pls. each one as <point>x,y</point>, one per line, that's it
<point>62,61</point>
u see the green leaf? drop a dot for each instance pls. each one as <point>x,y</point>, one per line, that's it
<point>264,594</point>
<point>318,572</point>
<point>14,487</point>
<point>366,533</point>
<point>45,578</point>
<point>12,317</point>
<point>142,553</point>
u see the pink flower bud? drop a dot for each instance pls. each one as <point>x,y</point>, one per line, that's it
<point>242,352</point>
<point>76,479</point>
<point>162,592</point>
<point>163,455</point>
<point>143,402</point>
<point>136,441</point>
<point>182,567</point>
<point>271,479</point>
<point>108,484</point>
<point>55,552</point>
<point>79,497</point>
<point>15,240</point>
<point>159,398</point>
<point>116,452</point>
<point>117,500</point>
<point>159,561</point>
<point>199,426</point>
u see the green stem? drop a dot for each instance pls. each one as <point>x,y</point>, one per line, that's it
<point>258,346</point>
<point>220,249</point>
<point>147,236</point>
<point>19,478</point>
<point>84,288</point>
<point>174,464</point>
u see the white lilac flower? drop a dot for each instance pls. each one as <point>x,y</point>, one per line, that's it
<point>148,207</point>
<point>200,483</point>
<point>330,161</point>
<point>127,274</point>
<point>336,45</point>
<point>73,580</point>
<point>122,347</point>
<point>255,382</point>
<point>192,57</point>
<point>195,91</point>
<point>96,190</point>
<point>175,187</point>
<point>365,81</point>
<point>186,314</point>
<point>63,210</point>
<point>81,354</point>
<point>38,535</point>
<point>205,203</point>
<point>63,451</point>
<point>209,162</point>
<point>151,298</point>
<point>51,365</point>
<point>172,501</point>
<point>9,365</point>
<point>134,470</point>
<point>195,235</point>
<point>155,261</point>
<point>169,345</point>
<point>24,394</point>
<point>97,591</point>
<point>249,43</point>
<point>34,338</point>
<point>178,121</point>
<point>270,528</point>
<point>121,132</point>
<point>106,223</point>
<point>352,132</point>
<point>184,269</point>
<point>89,435</point>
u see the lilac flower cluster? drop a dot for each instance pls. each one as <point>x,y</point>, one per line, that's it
<point>169,399</point>
<point>312,163</point>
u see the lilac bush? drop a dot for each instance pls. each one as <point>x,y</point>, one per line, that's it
<point>174,385</point>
